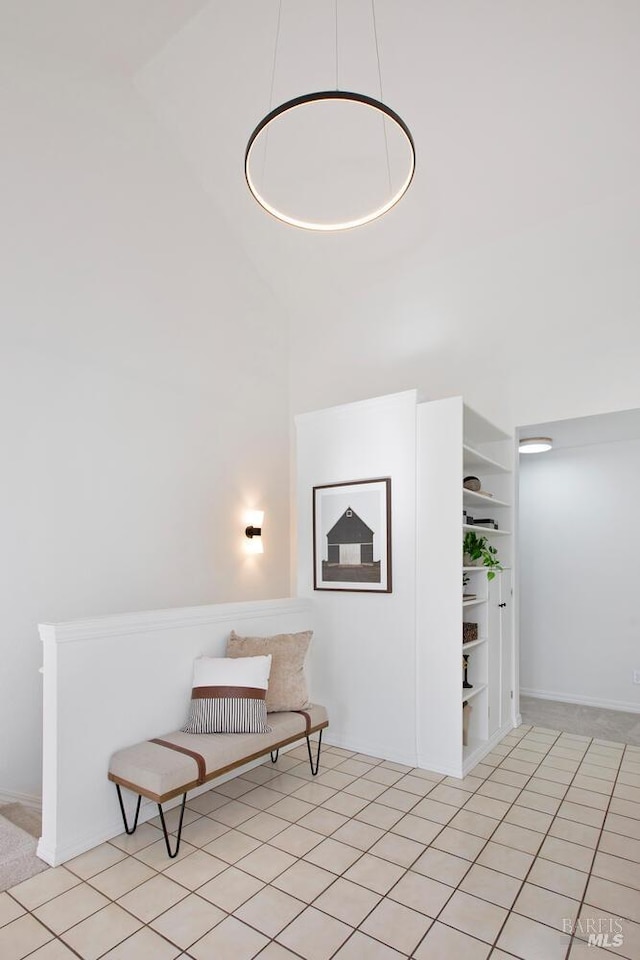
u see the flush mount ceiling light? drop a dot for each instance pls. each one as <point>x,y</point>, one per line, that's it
<point>330,160</point>
<point>535,444</point>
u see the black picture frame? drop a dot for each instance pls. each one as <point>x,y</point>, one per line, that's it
<point>352,536</point>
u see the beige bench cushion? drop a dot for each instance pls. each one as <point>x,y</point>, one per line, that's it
<point>158,772</point>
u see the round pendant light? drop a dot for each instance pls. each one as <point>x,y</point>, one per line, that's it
<point>330,160</point>
<point>374,207</point>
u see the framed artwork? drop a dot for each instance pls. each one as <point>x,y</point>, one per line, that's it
<point>352,536</point>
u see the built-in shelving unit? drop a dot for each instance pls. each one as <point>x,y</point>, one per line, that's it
<point>454,443</point>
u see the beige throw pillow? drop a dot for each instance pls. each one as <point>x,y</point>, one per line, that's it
<point>287,683</point>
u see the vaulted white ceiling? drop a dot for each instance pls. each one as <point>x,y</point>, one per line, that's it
<point>520,112</point>
<point>520,229</point>
<point>90,36</point>
<point>525,117</point>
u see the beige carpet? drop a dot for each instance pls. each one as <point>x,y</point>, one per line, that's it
<point>616,725</point>
<point>19,832</point>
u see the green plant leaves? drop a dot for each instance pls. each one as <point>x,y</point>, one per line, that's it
<point>479,548</point>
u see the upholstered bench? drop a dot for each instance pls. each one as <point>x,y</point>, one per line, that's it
<point>167,766</point>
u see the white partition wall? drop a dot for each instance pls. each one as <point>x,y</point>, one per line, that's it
<point>365,669</point>
<point>439,554</point>
<point>390,665</point>
<point>114,681</point>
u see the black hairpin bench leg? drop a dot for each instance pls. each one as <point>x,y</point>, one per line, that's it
<point>274,755</point>
<point>179,833</point>
<point>128,830</point>
<point>314,769</point>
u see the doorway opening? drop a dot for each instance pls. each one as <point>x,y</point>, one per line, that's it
<point>578,553</point>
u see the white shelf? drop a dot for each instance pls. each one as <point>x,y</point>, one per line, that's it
<point>478,430</point>
<point>473,643</point>
<point>477,688</point>
<point>475,602</point>
<point>473,459</point>
<point>471,499</point>
<point>490,530</point>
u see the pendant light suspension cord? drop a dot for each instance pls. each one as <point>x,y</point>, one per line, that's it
<point>273,79</point>
<point>275,56</point>
<point>336,19</point>
<point>384,126</point>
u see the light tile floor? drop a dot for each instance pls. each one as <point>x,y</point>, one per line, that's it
<point>369,861</point>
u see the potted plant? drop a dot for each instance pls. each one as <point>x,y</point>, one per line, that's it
<point>477,551</point>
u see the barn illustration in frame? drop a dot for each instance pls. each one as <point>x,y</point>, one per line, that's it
<point>350,542</point>
<point>352,536</point>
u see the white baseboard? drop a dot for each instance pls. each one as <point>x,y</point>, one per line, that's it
<point>56,854</point>
<point>443,770</point>
<point>472,759</point>
<point>482,751</point>
<point>370,749</point>
<point>621,705</point>
<point>29,800</point>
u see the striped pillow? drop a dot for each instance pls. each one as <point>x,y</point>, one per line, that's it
<point>229,696</point>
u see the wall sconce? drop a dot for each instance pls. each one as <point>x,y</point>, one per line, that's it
<point>253,531</point>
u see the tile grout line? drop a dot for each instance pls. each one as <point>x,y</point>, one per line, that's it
<point>535,857</point>
<point>403,813</point>
<point>389,831</point>
<point>587,872</point>
<point>406,869</point>
<point>194,892</point>
<point>58,937</point>
<point>492,945</point>
<point>575,939</point>
<point>311,903</point>
<point>383,897</point>
<point>231,799</point>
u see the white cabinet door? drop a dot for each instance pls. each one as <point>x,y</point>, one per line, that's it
<point>506,647</point>
<point>494,652</point>
<point>500,643</point>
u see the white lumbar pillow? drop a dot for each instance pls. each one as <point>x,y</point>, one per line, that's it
<point>229,695</point>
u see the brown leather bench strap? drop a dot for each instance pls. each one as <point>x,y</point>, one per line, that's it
<point>220,693</point>
<point>307,717</point>
<point>199,759</point>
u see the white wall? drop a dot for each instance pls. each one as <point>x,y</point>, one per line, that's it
<point>135,672</point>
<point>364,653</point>
<point>515,250</point>
<point>143,381</point>
<point>579,620</point>
<point>439,614</point>
<point>561,297</point>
